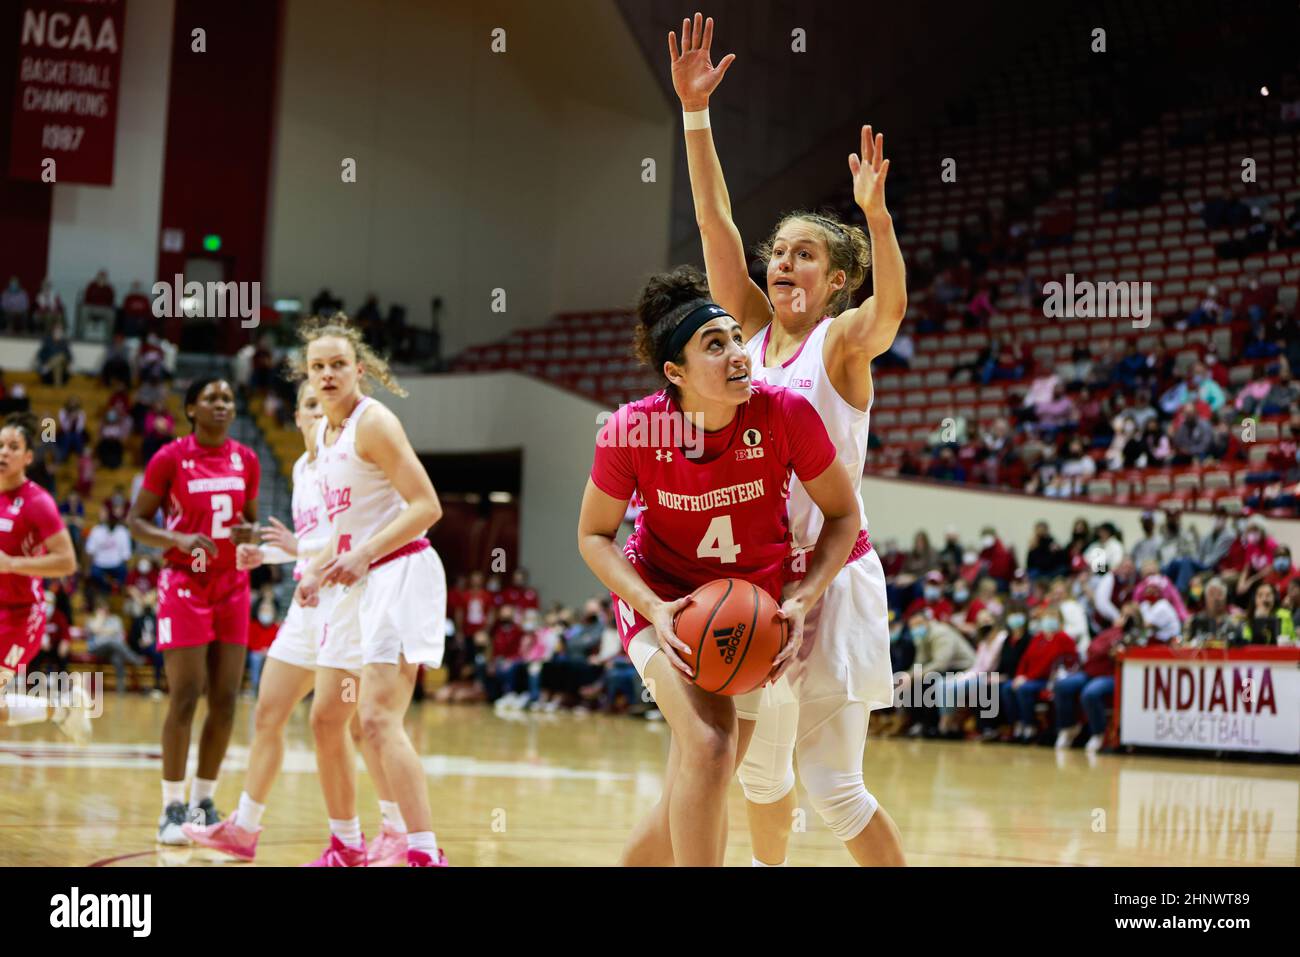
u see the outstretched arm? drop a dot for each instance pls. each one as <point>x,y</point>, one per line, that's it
<point>869,330</point>
<point>695,78</point>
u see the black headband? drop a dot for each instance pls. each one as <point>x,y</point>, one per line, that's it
<point>689,325</point>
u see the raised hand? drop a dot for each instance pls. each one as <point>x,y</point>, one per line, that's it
<point>869,174</point>
<point>280,536</point>
<point>694,75</point>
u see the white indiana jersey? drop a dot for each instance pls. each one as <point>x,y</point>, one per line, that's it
<point>359,499</point>
<point>310,526</point>
<point>805,373</point>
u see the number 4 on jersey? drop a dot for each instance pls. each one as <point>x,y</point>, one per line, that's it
<point>718,541</point>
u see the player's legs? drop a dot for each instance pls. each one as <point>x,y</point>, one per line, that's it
<point>283,686</point>
<point>374,767</point>
<point>706,734</point>
<point>830,747</point>
<point>386,692</point>
<point>225,667</point>
<point>332,707</point>
<point>767,776</point>
<point>187,674</point>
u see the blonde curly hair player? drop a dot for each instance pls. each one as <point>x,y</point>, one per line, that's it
<point>389,591</point>
<point>802,332</point>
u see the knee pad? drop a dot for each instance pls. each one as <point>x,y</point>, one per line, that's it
<point>830,764</point>
<point>767,771</point>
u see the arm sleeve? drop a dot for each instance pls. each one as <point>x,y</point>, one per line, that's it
<point>612,470</point>
<point>1102,599</point>
<point>160,471</point>
<point>811,448</point>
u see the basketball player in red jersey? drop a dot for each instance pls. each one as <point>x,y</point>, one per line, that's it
<point>207,483</point>
<point>711,512</point>
<point>390,615</point>
<point>804,333</point>
<point>34,544</point>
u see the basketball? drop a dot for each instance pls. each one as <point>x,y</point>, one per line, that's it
<point>734,630</point>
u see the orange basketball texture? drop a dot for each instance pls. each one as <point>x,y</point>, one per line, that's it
<point>734,631</point>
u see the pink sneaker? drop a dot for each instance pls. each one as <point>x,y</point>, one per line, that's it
<point>389,850</point>
<point>416,858</point>
<point>225,836</point>
<point>339,854</point>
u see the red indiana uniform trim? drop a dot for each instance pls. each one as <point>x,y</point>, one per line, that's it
<point>410,548</point>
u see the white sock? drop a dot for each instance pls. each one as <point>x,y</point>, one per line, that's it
<point>201,790</point>
<point>173,791</point>
<point>758,863</point>
<point>392,816</point>
<point>250,812</point>
<point>423,841</point>
<point>349,832</point>
<point>25,709</point>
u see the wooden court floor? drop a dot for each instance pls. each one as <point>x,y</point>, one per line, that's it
<point>564,790</point>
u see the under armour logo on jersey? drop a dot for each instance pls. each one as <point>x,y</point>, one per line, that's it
<point>187,463</point>
<point>183,592</point>
<point>663,455</point>
<point>236,462</point>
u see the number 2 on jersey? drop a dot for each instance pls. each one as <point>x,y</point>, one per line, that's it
<point>223,510</point>
<point>718,541</point>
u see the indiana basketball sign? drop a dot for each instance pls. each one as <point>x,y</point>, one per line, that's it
<point>1223,705</point>
<point>65,97</point>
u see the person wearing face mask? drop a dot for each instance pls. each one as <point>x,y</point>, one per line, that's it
<point>931,600</point>
<point>999,561</point>
<point>1048,649</point>
<point>262,629</point>
<point>940,651</point>
<point>1255,559</point>
<point>1092,685</point>
<point>1217,622</point>
<point>988,649</point>
<point>1158,613</point>
<point>1211,549</point>
<point>1282,572</point>
<point>1268,624</point>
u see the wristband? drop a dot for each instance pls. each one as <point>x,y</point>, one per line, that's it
<point>696,120</point>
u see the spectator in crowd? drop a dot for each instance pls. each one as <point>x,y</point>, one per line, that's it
<point>1149,575</point>
<point>1057,413</point>
<point>540,646</point>
<point>940,650</point>
<point>116,369</point>
<point>151,392</point>
<point>15,306</point>
<point>160,431</point>
<point>962,685</point>
<point>474,607</point>
<point>106,640</point>
<point>43,468</point>
<point>1107,550</point>
<point>1077,468</point>
<point>98,302</point>
<point>931,600</point>
<point>1217,622</point>
<point>519,593</point>
<point>136,312</point>
<point>1093,685</point>
<point>261,633</point>
<point>1193,438</point>
<point>112,439</point>
<point>1156,449</point>
<point>1046,559</point>
<point>71,436</point>
<point>151,361</point>
<point>1074,617</point>
<point>49,308</point>
<point>1208,551</point>
<point>1050,648</point>
<point>1268,623</point>
<point>998,560</point>
<point>85,473</point>
<point>946,467</point>
<point>502,651</point>
<point>54,357</point>
<point>1148,546</point>
<point>1158,614</point>
<point>108,549</point>
<point>73,513</point>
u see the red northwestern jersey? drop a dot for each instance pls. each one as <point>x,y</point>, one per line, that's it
<point>722,514</point>
<point>203,491</point>
<point>28,516</point>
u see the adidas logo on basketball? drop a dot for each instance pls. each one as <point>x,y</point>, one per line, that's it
<point>728,640</point>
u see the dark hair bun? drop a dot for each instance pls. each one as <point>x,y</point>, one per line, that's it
<point>667,291</point>
<point>28,424</point>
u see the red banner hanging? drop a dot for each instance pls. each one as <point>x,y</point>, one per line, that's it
<point>65,100</point>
